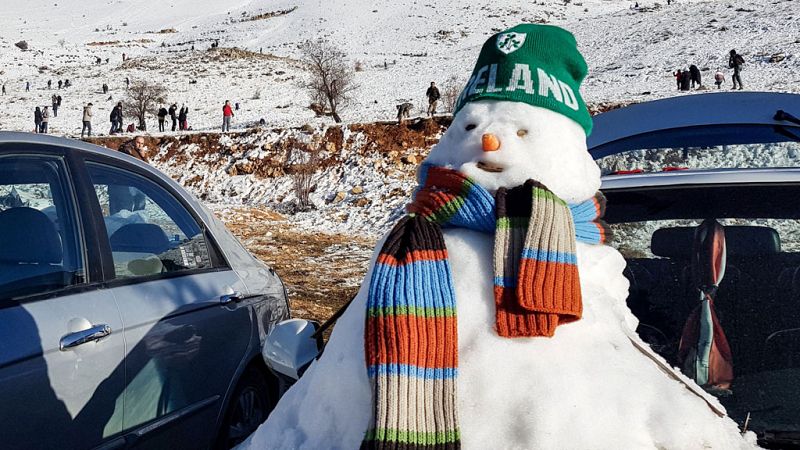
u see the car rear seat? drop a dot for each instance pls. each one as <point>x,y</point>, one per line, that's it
<point>751,301</point>
<point>30,246</point>
<point>139,238</point>
<point>756,251</point>
<point>658,291</point>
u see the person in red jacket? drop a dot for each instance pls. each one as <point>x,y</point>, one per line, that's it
<point>227,113</point>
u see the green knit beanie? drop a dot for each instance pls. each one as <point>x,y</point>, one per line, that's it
<point>535,64</point>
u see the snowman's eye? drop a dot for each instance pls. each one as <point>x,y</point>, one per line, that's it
<point>471,127</point>
<point>522,133</point>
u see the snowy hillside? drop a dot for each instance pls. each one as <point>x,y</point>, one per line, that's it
<point>400,45</point>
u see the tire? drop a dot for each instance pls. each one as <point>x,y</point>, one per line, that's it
<point>250,404</point>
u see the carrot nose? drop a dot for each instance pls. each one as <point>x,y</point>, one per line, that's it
<point>490,142</point>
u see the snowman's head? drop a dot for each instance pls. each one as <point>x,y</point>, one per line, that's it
<point>504,143</point>
<point>521,115</point>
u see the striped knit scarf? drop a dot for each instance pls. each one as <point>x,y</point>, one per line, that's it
<point>411,335</point>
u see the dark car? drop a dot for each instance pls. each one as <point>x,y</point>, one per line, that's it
<point>705,208</point>
<point>129,315</point>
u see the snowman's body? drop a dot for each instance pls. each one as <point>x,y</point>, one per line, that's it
<point>588,387</point>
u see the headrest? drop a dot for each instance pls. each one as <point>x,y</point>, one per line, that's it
<point>140,238</point>
<point>740,240</point>
<point>27,235</point>
<point>675,242</point>
<point>745,240</point>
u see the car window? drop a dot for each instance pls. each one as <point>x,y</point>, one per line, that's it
<point>149,231</point>
<point>40,248</point>
<point>704,147</point>
<point>755,303</point>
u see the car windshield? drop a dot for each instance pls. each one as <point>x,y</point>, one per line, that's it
<point>756,302</point>
<point>718,147</point>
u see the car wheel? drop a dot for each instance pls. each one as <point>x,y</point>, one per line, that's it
<point>251,403</point>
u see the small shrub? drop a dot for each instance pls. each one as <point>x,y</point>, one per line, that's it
<point>302,165</point>
<point>450,92</point>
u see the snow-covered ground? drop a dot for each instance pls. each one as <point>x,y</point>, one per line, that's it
<point>631,52</point>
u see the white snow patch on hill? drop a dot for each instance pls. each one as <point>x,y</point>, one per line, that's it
<point>631,53</point>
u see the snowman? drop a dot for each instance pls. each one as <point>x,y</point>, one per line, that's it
<point>492,315</point>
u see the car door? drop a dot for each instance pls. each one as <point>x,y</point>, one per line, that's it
<point>186,334</point>
<point>61,340</point>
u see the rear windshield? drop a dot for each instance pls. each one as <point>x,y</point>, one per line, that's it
<point>703,148</point>
<point>757,299</point>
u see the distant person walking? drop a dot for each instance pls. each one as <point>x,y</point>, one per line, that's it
<point>54,101</point>
<point>87,120</point>
<point>162,117</point>
<point>105,88</point>
<point>695,74</point>
<point>719,78</point>
<point>433,98</point>
<point>37,120</point>
<point>227,113</point>
<point>60,83</point>
<point>4,89</point>
<point>173,115</point>
<point>45,120</point>
<point>678,74</point>
<point>127,82</point>
<point>735,62</point>
<point>686,79</point>
<point>27,86</point>
<point>49,84</point>
<point>183,118</point>
<point>119,117</point>
<point>116,119</point>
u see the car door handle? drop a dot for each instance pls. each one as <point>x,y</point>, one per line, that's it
<point>92,334</point>
<point>235,296</point>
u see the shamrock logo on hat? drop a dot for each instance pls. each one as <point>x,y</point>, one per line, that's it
<point>510,42</point>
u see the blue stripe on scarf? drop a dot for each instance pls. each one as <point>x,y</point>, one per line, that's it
<point>423,284</point>
<point>549,256</point>
<point>409,370</point>
<point>505,281</point>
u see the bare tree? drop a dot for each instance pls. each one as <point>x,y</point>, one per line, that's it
<point>451,90</point>
<point>142,98</point>
<point>331,80</point>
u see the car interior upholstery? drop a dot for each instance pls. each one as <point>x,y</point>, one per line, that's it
<point>758,284</point>
<point>139,246</point>
<point>30,246</point>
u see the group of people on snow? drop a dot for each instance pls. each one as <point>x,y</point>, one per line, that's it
<point>41,118</point>
<point>41,115</point>
<point>690,77</point>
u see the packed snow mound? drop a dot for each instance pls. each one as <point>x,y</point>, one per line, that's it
<point>588,387</point>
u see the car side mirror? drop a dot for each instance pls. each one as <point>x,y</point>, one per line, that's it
<point>291,346</point>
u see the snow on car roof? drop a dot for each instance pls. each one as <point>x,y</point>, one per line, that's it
<point>702,177</point>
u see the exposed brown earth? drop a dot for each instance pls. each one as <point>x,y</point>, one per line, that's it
<point>321,271</point>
